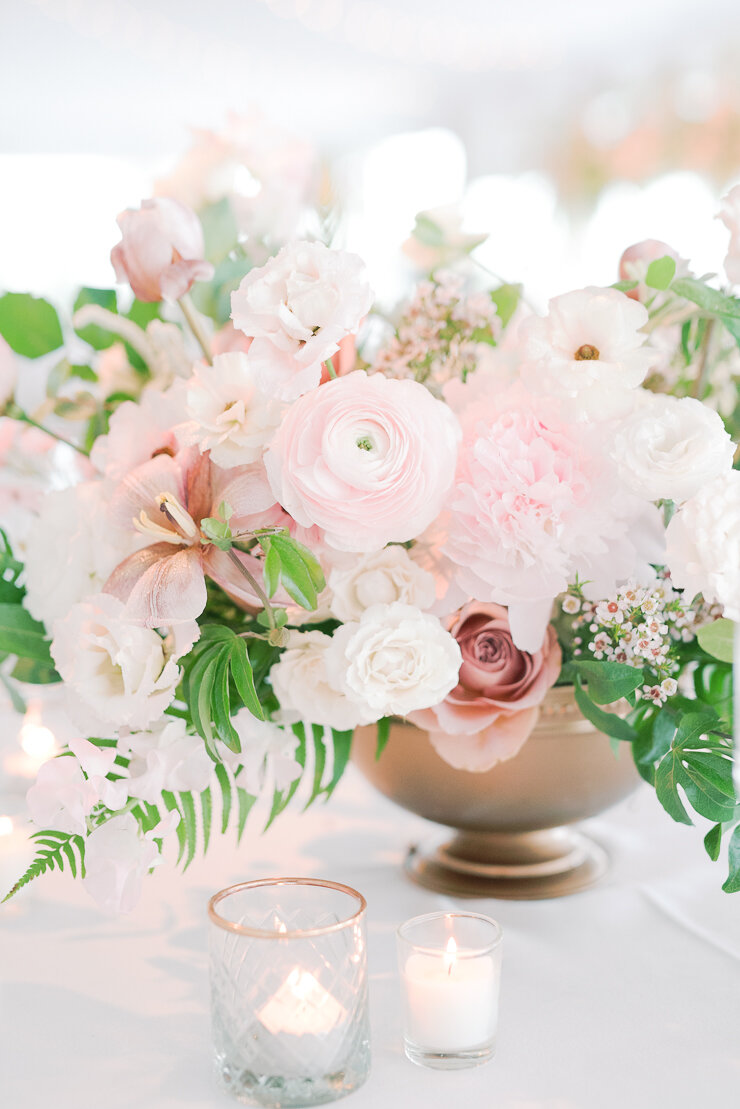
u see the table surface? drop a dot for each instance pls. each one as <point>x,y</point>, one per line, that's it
<point>625,995</point>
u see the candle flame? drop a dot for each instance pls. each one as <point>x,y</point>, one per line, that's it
<point>279,925</point>
<point>450,954</point>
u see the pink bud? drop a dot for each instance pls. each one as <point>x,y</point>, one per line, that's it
<point>161,250</point>
<point>636,259</point>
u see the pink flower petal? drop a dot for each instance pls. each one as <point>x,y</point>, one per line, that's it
<point>501,740</point>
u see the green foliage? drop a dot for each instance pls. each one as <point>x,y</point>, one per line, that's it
<point>506,298</point>
<point>384,732</point>
<point>732,885</point>
<point>97,337</point>
<point>607,722</point>
<point>608,681</point>
<point>717,638</point>
<point>22,636</point>
<point>660,273</point>
<point>29,325</point>
<point>290,564</point>
<point>700,763</point>
<point>54,850</point>
<point>217,682</point>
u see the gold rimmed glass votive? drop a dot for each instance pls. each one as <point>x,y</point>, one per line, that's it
<point>289,991</point>
<point>450,967</point>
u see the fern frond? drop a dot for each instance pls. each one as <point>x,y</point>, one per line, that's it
<point>54,849</point>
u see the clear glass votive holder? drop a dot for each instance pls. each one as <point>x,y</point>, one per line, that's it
<point>289,1011</point>
<point>450,967</point>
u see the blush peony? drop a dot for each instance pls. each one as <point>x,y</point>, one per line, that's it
<point>495,705</point>
<point>304,301</point>
<point>161,250</point>
<point>367,459</point>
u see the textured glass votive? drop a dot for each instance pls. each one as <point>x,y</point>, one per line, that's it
<point>289,991</point>
<point>450,965</point>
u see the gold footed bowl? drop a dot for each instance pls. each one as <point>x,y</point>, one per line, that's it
<point>512,837</point>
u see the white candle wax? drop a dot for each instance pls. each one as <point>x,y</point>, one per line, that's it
<point>301,1006</point>
<point>451,1003</point>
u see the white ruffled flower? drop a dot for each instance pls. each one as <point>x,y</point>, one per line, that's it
<point>730,216</point>
<point>62,796</point>
<point>232,417</point>
<point>670,447</point>
<point>379,578</point>
<point>703,544</point>
<point>166,757</point>
<point>304,689</point>
<point>118,674</point>
<point>394,660</point>
<point>304,300</point>
<point>589,348</point>
<point>117,858</point>
<point>266,748</point>
<point>71,550</point>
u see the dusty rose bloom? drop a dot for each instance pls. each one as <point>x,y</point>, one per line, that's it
<point>495,705</point>
<point>161,251</point>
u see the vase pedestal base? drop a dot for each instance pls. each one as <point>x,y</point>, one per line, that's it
<point>517,866</point>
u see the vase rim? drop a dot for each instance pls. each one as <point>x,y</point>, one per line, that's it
<point>286,933</point>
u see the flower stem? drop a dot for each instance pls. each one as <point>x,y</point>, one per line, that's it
<point>193,322</point>
<point>17,413</point>
<point>255,586</point>
<point>701,377</point>
<point>330,368</point>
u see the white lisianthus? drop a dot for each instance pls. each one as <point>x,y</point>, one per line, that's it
<point>305,691</point>
<point>117,858</point>
<point>166,757</point>
<point>118,674</point>
<point>231,416</point>
<point>381,577</point>
<point>266,747</point>
<point>61,797</point>
<point>304,300</point>
<point>670,447</point>
<point>703,544</point>
<point>71,550</point>
<point>588,348</point>
<point>394,660</point>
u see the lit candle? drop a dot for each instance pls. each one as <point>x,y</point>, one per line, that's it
<point>450,987</point>
<point>301,1005</point>
<point>37,745</point>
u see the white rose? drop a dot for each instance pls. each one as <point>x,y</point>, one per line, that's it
<point>118,673</point>
<point>8,374</point>
<point>379,578</point>
<point>589,347</point>
<point>395,659</point>
<point>265,747</point>
<point>703,544</point>
<point>232,417</point>
<point>117,857</point>
<point>71,550</point>
<point>302,686</point>
<point>304,300</point>
<point>730,216</point>
<point>166,757</point>
<point>671,447</point>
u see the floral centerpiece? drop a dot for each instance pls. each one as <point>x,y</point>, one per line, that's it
<point>280,526</point>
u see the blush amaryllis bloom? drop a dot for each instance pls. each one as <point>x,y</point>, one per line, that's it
<point>161,250</point>
<point>304,301</point>
<point>588,348</point>
<point>367,459</point>
<point>165,500</point>
<point>492,710</point>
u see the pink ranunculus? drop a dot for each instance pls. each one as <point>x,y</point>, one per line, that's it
<point>367,459</point>
<point>633,265</point>
<point>495,705</point>
<point>161,251</point>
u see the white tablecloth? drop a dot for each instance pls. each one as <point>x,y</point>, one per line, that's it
<point>623,997</point>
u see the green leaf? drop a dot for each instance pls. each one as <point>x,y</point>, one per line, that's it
<point>245,802</point>
<point>222,776</point>
<point>295,574</point>
<point>661,272</point>
<point>384,731</point>
<point>52,849</point>
<point>708,299</point>
<point>607,722</point>
<point>609,681</point>
<point>342,743</point>
<point>717,639</point>
<point>241,670</point>
<point>624,286</point>
<point>172,806</point>
<point>319,747</point>
<point>732,885</point>
<point>713,841</point>
<point>23,636</point>
<point>271,571</point>
<point>29,325</point>
<point>282,798</point>
<point>97,337</point>
<point>506,298</point>
<point>221,704</point>
<point>187,808</point>
<point>667,777</point>
<point>143,312</point>
<point>34,673</point>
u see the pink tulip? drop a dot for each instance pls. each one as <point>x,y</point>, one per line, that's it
<point>492,710</point>
<point>161,251</point>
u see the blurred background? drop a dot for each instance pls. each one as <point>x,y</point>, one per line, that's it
<point>563,131</point>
